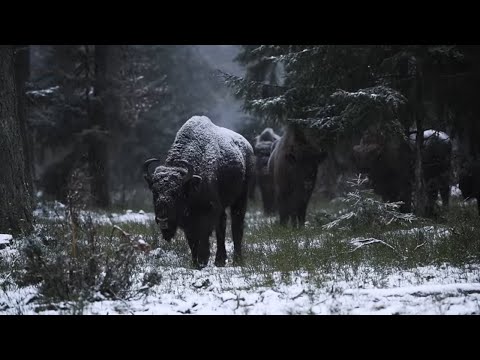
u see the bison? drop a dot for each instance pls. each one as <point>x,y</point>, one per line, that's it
<point>390,163</point>
<point>294,164</point>
<point>437,166</point>
<point>469,181</point>
<point>263,177</point>
<point>207,170</point>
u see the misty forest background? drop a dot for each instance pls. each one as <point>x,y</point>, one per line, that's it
<point>79,120</point>
<point>90,115</point>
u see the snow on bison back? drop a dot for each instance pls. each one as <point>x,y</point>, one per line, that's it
<point>208,169</point>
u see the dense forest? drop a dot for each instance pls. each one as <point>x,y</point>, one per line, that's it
<point>78,123</point>
<point>99,111</point>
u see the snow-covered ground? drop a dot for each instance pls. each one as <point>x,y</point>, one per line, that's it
<point>57,211</point>
<point>427,290</point>
<point>442,289</point>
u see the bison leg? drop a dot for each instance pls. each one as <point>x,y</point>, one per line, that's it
<point>266,189</point>
<point>237,213</point>
<point>193,248</point>
<point>301,213</point>
<point>283,215</point>
<point>445,194</point>
<point>203,249</point>
<point>221,255</point>
<point>251,188</point>
<point>432,194</point>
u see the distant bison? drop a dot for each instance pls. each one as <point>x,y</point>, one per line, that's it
<point>294,164</point>
<point>263,177</point>
<point>469,181</point>
<point>208,168</point>
<point>390,164</point>
<point>437,166</point>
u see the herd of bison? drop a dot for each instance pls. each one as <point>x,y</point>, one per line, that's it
<point>210,168</point>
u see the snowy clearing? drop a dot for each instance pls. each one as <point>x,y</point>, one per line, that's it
<point>428,290</point>
<point>441,289</point>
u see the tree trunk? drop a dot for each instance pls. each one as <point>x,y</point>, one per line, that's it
<point>419,113</point>
<point>15,199</point>
<point>22,75</point>
<point>99,152</point>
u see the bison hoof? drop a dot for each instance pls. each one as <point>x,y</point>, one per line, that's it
<point>199,265</point>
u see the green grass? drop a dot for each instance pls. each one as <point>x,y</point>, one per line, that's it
<point>272,248</point>
<point>273,253</point>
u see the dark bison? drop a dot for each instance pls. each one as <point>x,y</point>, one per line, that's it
<point>437,166</point>
<point>263,177</point>
<point>469,181</point>
<point>390,164</point>
<point>294,165</point>
<point>207,169</point>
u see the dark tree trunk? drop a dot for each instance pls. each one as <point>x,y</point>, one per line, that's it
<point>22,75</point>
<point>15,197</point>
<point>99,149</point>
<point>419,114</point>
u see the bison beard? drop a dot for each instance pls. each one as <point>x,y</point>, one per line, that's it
<point>208,169</point>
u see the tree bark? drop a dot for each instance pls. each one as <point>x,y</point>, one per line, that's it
<point>22,75</point>
<point>419,113</point>
<point>15,198</point>
<point>99,150</point>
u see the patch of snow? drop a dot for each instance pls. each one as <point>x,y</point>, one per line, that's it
<point>58,212</point>
<point>455,191</point>
<point>5,240</point>
<point>440,134</point>
<point>437,232</point>
<point>44,92</point>
<point>427,134</point>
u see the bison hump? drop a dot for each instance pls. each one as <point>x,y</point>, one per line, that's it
<point>209,147</point>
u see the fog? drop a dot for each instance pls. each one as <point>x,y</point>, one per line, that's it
<point>227,111</point>
<point>158,87</point>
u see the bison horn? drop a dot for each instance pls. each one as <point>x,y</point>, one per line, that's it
<point>146,173</point>
<point>189,167</point>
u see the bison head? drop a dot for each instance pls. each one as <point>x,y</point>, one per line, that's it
<point>171,186</point>
<point>262,153</point>
<point>366,155</point>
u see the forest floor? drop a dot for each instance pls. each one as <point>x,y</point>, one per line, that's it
<point>423,267</point>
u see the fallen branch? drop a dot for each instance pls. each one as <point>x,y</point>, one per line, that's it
<point>361,242</point>
<point>297,296</point>
<point>138,244</point>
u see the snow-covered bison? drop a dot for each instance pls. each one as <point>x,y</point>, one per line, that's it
<point>263,177</point>
<point>294,165</point>
<point>208,168</point>
<point>390,164</point>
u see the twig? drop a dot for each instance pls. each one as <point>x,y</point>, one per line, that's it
<point>368,241</point>
<point>419,246</point>
<point>297,296</point>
